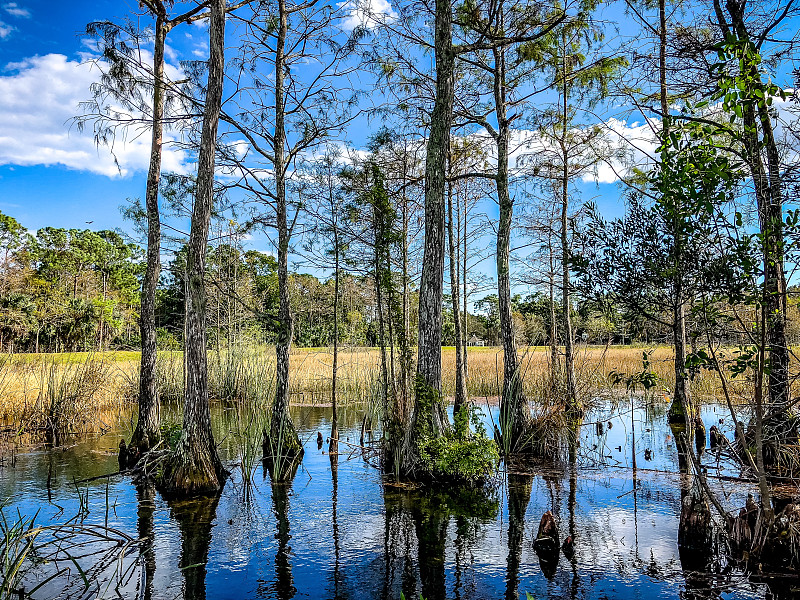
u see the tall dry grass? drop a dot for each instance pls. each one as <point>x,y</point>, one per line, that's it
<point>81,392</point>
<point>62,394</point>
<point>593,364</point>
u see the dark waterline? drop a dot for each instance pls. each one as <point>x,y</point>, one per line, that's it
<point>338,532</point>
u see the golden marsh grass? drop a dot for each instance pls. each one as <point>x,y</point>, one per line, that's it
<point>87,389</point>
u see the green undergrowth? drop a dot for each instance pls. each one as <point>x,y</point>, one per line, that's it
<point>455,455</point>
<point>171,433</point>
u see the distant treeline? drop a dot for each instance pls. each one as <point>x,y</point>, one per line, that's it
<point>78,290</point>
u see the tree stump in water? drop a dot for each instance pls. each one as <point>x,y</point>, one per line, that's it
<point>568,547</point>
<point>699,435</point>
<point>546,544</point>
<point>717,438</point>
<point>782,542</point>
<point>123,455</point>
<point>696,530</point>
<point>128,456</point>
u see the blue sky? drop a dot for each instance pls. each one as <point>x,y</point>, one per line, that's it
<point>41,195</point>
<point>50,174</point>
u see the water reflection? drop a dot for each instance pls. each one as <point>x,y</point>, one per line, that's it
<point>284,582</point>
<point>421,521</point>
<point>337,579</point>
<point>195,520</point>
<point>145,500</point>
<point>520,487</point>
<point>337,531</point>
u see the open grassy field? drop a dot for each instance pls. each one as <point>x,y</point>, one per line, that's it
<point>84,390</point>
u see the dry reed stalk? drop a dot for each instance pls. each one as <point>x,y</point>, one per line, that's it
<point>24,379</point>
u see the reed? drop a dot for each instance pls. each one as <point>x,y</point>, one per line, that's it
<point>58,397</point>
<point>86,391</point>
<point>254,389</point>
<point>36,557</point>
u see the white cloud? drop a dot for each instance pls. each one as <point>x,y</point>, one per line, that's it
<point>39,98</point>
<point>5,30</point>
<point>16,10</point>
<point>622,144</point>
<point>366,13</point>
<point>637,140</point>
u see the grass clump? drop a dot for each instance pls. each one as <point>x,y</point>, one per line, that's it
<point>56,397</point>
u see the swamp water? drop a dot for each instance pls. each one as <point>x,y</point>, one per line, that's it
<point>337,532</point>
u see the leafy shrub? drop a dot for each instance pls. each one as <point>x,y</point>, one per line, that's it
<point>457,456</point>
<point>468,459</point>
<point>171,434</point>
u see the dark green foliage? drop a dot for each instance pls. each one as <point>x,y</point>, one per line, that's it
<point>630,262</point>
<point>456,455</point>
<point>66,289</point>
<point>171,434</point>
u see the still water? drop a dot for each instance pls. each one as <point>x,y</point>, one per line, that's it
<point>337,532</point>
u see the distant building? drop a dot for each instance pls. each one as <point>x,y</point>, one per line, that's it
<point>475,341</point>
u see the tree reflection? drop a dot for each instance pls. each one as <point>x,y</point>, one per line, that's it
<point>337,575</point>
<point>195,519</point>
<point>520,486</point>
<point>426,516</point>
<point>145,498</point>
<point>284,582</point>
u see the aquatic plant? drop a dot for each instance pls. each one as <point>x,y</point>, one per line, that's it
<point>46,554</point>
<point>251,415</point>
<point>64,396</point>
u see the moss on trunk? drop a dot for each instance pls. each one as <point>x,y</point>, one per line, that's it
<point>282,449</point>
<point>186,473</point>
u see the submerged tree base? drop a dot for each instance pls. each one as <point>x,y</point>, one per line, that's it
<point>283,468</point>
<point>141,443</point>
<point>676,415</point>
<point>282,451</point>
<point>432,452</point>
<point>186,474</point>
<point>695,529</point>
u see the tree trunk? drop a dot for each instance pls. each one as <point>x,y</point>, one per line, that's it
<point>147,432</point>
<point>333,445</point>
<point>429,362</point>
<point>464,279</point>
<point>461,389</point>
<point>514,411</point>
<point>282,447</point>
<point>571,399</point>
<point>381,319</point>
<point>194,468</point>
<point>405,351</point>
<point>768,184</point>
<point>679,411</point>
<point>555,366</point>
<point>393,313</point>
